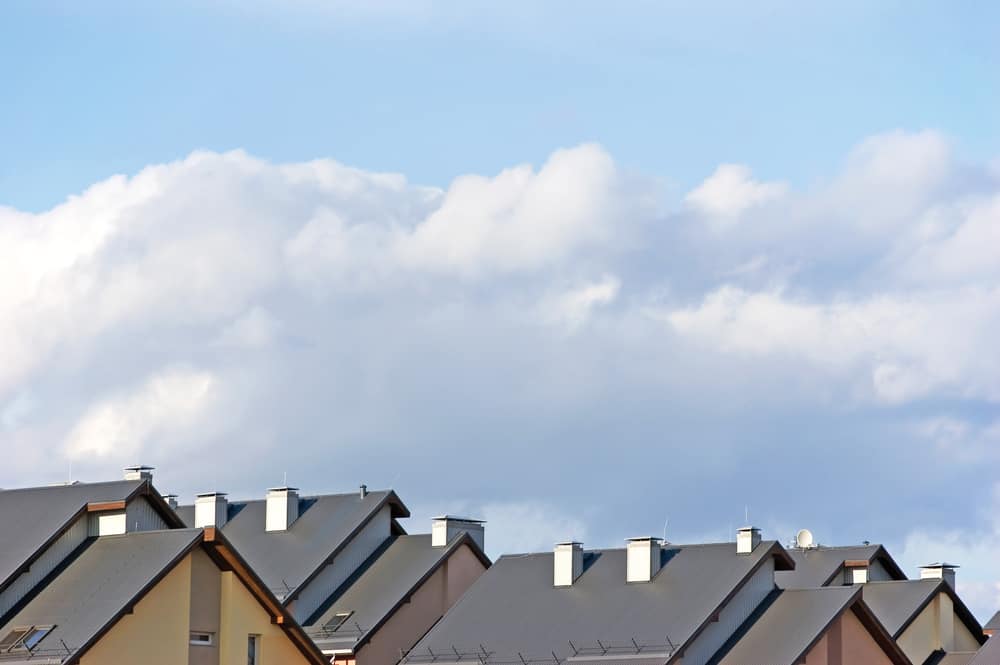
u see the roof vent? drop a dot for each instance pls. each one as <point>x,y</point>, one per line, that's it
<point>282,508</point>
<point>446,527</point>
<point>567,563</point>
<point>171,500</point>
<point>939,571</point>
<point>139,472</point>
<point>747,539</point>
<point>363,491</point>
<point>211,509</point>
<point>642,559</point>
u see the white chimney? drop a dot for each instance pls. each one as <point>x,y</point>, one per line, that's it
<point>139,472</point>
<point>747,539</point>
<point>282,508</point>
<point>939,571</point>
<point>211,509</point>
<point>642,559</point>
<point>856,571</point>
<point>446,527</point>
<point>567,563</point>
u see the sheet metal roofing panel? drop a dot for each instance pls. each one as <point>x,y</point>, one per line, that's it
<point>814,566</point>
<point>895,603</point>
<point>285,559</point>
<point>988,654</point>
<point>515,609</point>
<point>960,658</point>
<point>30,517</point>
<point>783,633</point>
<point>993,624</point>
<point>106,576</point>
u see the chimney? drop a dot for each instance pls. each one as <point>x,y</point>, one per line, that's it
<point>211,509</point>
<point>282,508</point>
<point>856,571</point>
<point>364,491</point>
<point>939,571</point>
<point>171,500</point>
<point>139,472</point>
<point>567,563</point>
<point>642,559</point>
<point>747,539</point>
<point>446,527</point>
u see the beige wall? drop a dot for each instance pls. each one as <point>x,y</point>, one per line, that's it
<point>241,616</point>
<point>156,633</point>
<point>206,588</point>
<point>847,642</point>
<point>428,604</point>
<point>937,627</point>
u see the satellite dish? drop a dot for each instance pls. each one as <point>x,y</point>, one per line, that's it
<point>804,539</point>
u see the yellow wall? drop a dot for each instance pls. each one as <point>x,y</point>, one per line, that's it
<point>156,633</point>
<point>937,627</point>
<point>241,616</point>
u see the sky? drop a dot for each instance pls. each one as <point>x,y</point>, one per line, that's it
<point>583,272</point>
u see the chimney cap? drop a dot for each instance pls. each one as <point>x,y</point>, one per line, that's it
<point>569,542</point>
<point>283,488</point>
<point>168,496</point>
<point>941,564</point>
<point>637,539</point>
<point>140,467</point>
<point>749,528</point>
<point>457,518</point>
<point>207,494</point>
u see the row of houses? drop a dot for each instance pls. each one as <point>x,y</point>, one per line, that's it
<point>115,572</point>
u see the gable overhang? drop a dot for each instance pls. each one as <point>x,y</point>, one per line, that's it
<point>963,612</point>
<point>397,509</point>
<point>782,561</point>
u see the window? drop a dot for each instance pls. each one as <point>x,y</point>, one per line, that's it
<point>202,639</point>
<point>24,639</point>
<point>337,621</point>
<point>253,650</point>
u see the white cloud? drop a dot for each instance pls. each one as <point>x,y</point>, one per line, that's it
<point>572,308</point>
<point>529,526</point>
<point>729,192</point>
<point>167,404</point>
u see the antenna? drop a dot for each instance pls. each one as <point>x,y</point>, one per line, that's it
<point>665,523</point>
<point>804,539</point>
<point>746,515</point>
<point>284,479</point>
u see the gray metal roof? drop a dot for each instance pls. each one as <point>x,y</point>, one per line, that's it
<point>988,654</point>
<point>30,517</point>
<point>815,566</point>
<point>960,658</point>
<point>96,586</point>
<point>994,623</point>
<point>286,559</point>
<point>783,633</point>
<point>895,603</point>
<point>371,595</point>
<point>513,611</point>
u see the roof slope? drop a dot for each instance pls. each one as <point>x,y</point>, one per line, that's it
<point>375,592</point>
<point>815,566</point>
<point>106,577</point>
<point>790,626</point>
<point>514,611</point>
<point>897,604</point>
<point>31,517</point>
<point>988,654</point>
<point>993,624</point>
<point>287,559</point>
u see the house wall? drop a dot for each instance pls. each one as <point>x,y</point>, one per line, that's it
<point>732,615</point>
<point>139,515</point>
<point>241,616</point>
<point>61,548</point>
<point>156,632</point>
<point>428,604</point>
<point>206,599</point>
<point>847,642</point>
<point>357,551</point>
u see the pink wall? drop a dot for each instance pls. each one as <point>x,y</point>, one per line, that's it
<point>847,642</point>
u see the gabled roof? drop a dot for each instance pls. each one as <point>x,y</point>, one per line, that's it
<point>380,587</point>
<point>897,604</point>
<point>34,517</point>
<point>817,566</point>
<point>111,575</point>
<point>784,629</point>
<point>993,625</point>
<point>287,560</point>
<point>513,611</point>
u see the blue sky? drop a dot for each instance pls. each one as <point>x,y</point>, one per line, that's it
<point>579,271</point>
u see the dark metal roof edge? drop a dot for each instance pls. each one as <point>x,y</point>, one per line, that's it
<point>819,635</point>
<point>464,539</point>
<point>882,637</point>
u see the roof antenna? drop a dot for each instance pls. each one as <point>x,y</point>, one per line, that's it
<point>665,523</point>
<point>746,515</point>
<point>284,479</point>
